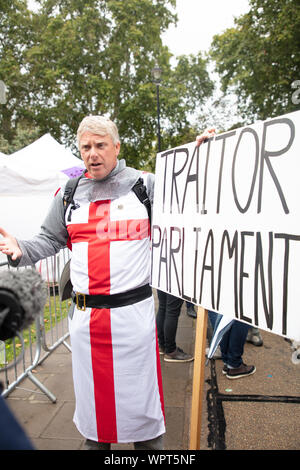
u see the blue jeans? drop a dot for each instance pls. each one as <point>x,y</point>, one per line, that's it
<point>233,341</point>
<point>167,320</point>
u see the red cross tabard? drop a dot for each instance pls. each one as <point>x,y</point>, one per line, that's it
<point>99,232</point>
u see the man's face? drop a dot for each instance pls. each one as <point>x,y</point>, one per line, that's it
<point>99,154</point>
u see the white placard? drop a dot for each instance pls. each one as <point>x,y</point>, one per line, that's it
<point>226,224</point>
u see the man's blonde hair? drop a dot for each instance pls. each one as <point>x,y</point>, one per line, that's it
<point>98,125</point>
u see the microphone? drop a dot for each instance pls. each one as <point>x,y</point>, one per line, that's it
<point>22,298</point>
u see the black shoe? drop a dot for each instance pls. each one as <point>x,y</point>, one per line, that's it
<point>239,372</point>
<point>190,311</point>
<point>225,370</point>
<point>178,356</point>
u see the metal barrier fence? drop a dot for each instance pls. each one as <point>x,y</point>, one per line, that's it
<point>23,354</point>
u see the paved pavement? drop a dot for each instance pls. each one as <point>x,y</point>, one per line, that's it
<point>261,411</point>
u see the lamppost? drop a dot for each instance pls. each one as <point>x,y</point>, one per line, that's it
<point>3,91</point>
<point>156,73</point>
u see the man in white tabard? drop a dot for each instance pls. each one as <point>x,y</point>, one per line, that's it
<point>115,358</point>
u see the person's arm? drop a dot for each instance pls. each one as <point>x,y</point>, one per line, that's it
<point>9,245</point>
<point>52,237</point>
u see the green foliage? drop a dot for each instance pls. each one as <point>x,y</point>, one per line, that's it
<point>260,58</point>
<point>71,58</point>
<point>15,37</point>
<point>23,136</point>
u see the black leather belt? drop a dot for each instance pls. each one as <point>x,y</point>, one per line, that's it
<point>130,297</point>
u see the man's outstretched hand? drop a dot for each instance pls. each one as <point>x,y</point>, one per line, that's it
<point>9,245</point>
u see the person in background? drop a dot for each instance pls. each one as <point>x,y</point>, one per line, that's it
<point>190,310</point>
<point>232,349</point>
<point>254,336</point>
<point>169,308</point>
<point>12,435</point>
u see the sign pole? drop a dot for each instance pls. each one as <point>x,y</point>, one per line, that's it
<point>198,379</point>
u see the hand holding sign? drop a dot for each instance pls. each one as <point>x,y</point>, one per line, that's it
<point>207,134</point>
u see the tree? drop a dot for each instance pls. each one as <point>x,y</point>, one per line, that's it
<point>260,58</point>
<point>23,136</point>
<point>95,57</point>
<point>15,38</point>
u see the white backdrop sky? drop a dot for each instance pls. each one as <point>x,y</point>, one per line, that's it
<point>199,21</point>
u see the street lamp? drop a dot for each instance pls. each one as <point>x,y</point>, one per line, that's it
<point>156,73</point>
<point>3,92</point>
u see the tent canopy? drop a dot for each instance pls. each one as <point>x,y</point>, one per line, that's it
<point>29,181</point>
<point>44,154</point>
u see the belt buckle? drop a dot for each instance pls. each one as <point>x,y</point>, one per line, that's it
<point>83,308</point>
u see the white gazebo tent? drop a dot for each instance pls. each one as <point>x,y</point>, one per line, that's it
<point>29,180</point>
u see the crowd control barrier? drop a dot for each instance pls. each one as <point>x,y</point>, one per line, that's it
<point>21,356</point>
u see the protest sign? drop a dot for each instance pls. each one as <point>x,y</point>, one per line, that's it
<point>226,224</point>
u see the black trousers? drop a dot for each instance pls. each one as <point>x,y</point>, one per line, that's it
<point>167,320</point>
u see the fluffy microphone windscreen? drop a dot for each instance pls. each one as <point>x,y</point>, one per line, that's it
<point>28,287</point>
